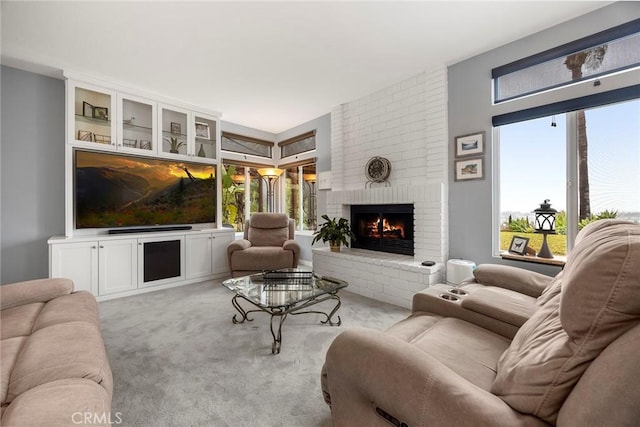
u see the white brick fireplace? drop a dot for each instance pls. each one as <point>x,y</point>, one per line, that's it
<point>407,124</point>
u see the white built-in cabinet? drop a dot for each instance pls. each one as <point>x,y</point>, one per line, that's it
<point>209,255</point>
<point>115,266</point>
<point>107,117</point>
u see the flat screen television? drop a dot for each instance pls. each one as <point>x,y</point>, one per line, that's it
<point>113,190</point>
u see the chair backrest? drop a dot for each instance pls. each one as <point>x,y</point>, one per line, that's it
<point>269,229</point>
<point>597,303</point>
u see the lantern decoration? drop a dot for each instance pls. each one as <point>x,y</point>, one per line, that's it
<point>545,224</point>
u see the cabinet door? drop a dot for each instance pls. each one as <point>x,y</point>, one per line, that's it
<point>174,139</point>
<point>199,260</point>
<point>206,138</point>
<point>219,245</point>
<point>78,262</point>
<point>137,118</point>
<point>91,111</point>
<point>118,265</point>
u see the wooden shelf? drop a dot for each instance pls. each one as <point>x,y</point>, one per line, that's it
<point>559,261</point>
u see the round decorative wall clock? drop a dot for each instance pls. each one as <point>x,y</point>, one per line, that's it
<point>377,169</point>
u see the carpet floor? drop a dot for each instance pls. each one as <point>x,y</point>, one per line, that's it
<point>178,360</point>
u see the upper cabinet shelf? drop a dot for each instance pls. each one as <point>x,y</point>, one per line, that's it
<point>110,119</point>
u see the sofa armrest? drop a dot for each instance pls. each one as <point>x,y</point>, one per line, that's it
<point>513,278</point>
<point>39,290</point>
<point>367,369</point>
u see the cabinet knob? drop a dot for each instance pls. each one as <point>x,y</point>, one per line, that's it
<point>93,247</point>
<point>101,247</point>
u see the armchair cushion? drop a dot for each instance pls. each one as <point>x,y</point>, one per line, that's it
<point>598,303</point>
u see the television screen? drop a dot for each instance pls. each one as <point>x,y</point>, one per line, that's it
<point>116,190</point>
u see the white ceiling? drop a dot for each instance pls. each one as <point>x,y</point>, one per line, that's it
<point>266,65</point>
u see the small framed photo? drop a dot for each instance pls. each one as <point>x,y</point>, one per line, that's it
<point>518,245</point>
<point>468,169</point>
<point>87,109</point>
<point>176,128</point>
<point>202,130</point>
<point>468,145</point>
<point>85,135</point>
<point>101,113</point>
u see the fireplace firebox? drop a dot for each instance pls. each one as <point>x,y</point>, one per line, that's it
<point>386,228</point>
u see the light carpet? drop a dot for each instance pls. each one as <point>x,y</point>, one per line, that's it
<point>178,360</point>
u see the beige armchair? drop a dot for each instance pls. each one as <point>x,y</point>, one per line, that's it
<point>574,362</point>
<point>268,244</point>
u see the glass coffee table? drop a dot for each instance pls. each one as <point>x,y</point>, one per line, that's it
<point>283,295</point>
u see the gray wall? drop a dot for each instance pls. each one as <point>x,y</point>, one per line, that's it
<point>32,172</point>
<point>470,110</point>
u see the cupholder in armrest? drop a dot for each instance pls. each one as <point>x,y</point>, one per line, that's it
<point>449,297</point>
<point>457,292</point>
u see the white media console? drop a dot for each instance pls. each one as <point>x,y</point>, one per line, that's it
<point>117,265</point>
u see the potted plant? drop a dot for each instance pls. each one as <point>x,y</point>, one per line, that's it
<point>335,231</point>
<point>174,145</point>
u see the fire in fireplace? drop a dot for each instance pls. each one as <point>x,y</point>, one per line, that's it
<point>386,228</point>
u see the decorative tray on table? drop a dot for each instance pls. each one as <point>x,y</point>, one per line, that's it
<point>287,278</point>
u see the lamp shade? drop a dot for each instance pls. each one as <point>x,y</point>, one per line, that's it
<point>309,177</point>
<point>270,172</point>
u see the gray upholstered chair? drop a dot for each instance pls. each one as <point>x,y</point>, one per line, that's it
<point>268,244</point>
<point>574,362</point>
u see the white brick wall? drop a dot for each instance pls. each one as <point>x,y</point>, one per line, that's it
<point>407,124</point>
<point>385,277</point>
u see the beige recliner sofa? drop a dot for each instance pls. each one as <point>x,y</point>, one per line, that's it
<point>54,368</point>
<point>574,362</point>
<point>268,244</point>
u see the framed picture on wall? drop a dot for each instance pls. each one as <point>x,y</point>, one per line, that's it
<point>468,145</point>
<point>469,169</point>
<point>518,245</point>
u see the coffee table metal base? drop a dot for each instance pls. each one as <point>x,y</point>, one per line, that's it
<point>282,312</point>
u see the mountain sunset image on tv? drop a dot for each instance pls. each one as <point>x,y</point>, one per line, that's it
<point>115,190</point>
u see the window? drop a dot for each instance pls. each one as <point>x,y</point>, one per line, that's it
<point>300,195</point>
<point>609,51</point>
<point>244,193</point>
<point>587,162</point>
<point>246,145</point>
<point>298,144</point>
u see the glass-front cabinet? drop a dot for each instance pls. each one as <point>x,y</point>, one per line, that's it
<point>137,121</point>
<point>187,134</point>
<point>108,119</point>
<point>205,133</point>
<point>92,121</point>
<point>175,131</point>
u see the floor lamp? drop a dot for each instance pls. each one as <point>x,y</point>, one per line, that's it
<point>270,175</point>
